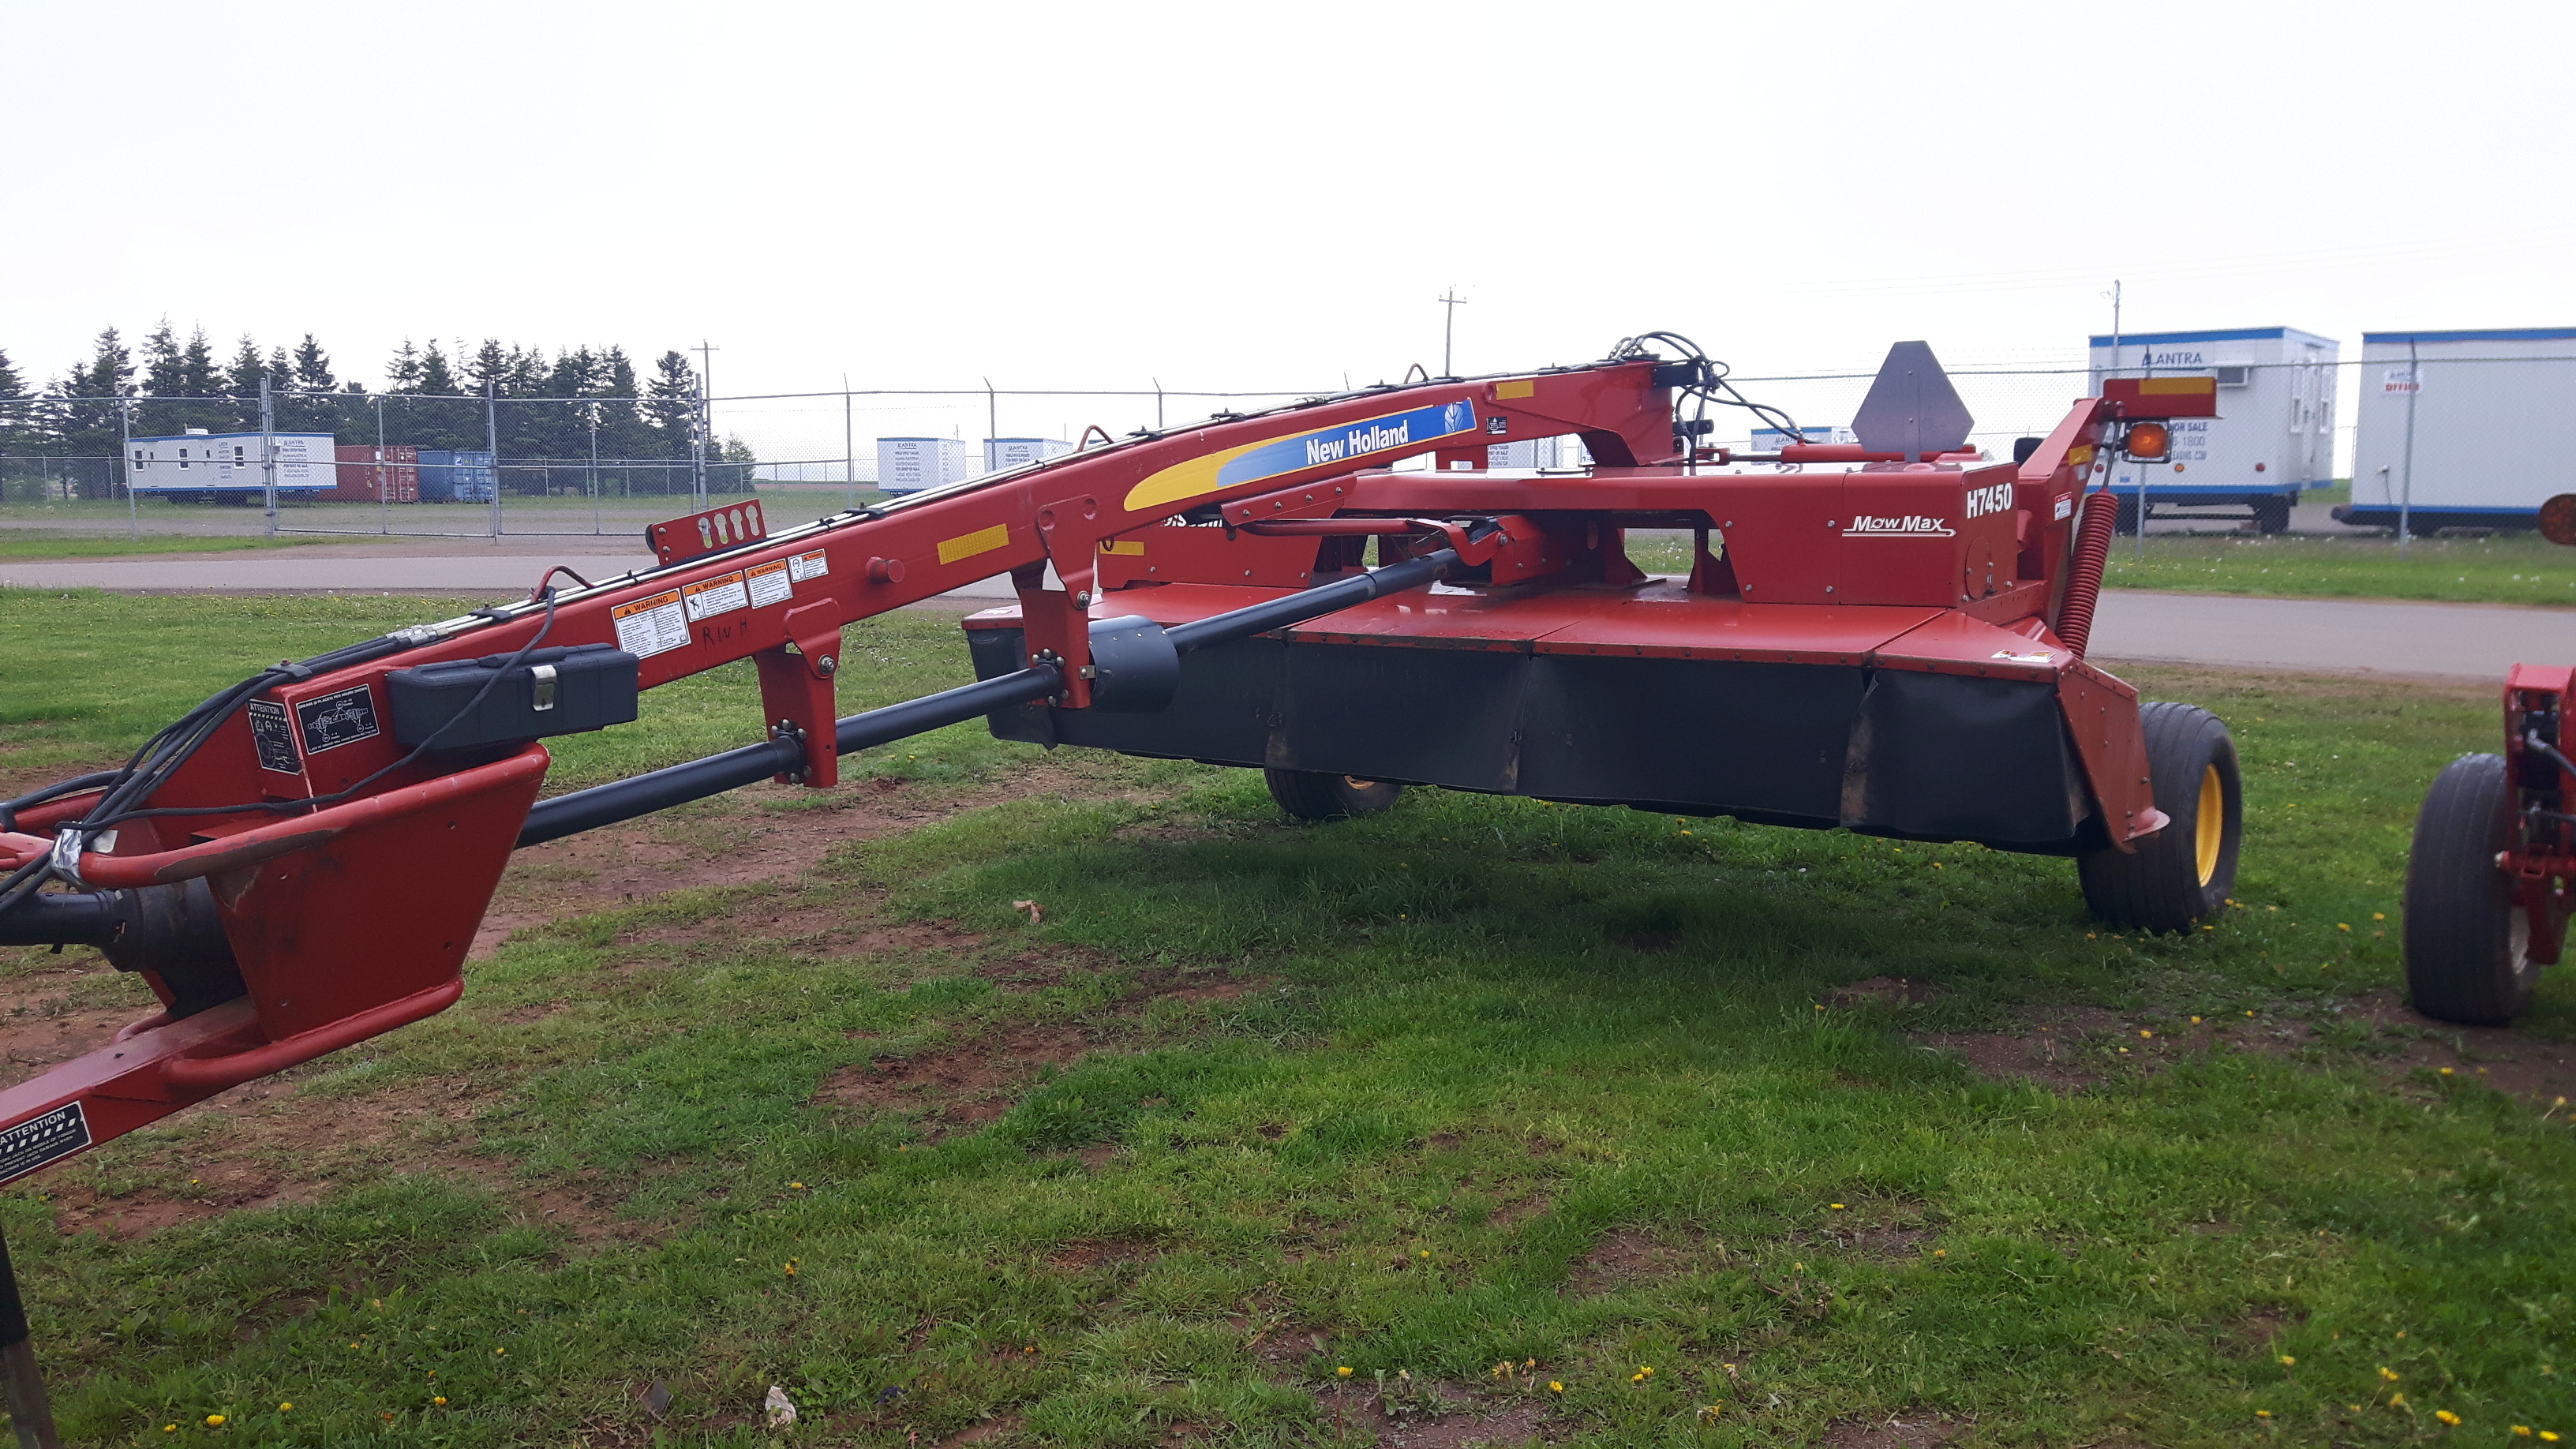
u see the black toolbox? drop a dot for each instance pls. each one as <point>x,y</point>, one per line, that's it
<point>550,692</point>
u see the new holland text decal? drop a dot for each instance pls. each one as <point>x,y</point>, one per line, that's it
<point>1277,457</point>
<point>1911,525</point>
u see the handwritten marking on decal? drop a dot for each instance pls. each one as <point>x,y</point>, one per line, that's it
<point>1911,525</point>
<point>1983,501</point>
<point>982,540</point>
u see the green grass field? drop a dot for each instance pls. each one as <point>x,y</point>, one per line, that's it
<point>43,543</point>
<point>1494,1105</point>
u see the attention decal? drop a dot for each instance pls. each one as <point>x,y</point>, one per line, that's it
<point>1323,447</point>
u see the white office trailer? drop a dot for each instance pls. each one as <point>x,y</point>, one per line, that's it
<point>2472,399</point>
<point>208,467</point>
<point>1771,440</point>
<point>1530,453</point>
<point>1001,453</point>
<point>2273,437</point>
<point>909,465</point>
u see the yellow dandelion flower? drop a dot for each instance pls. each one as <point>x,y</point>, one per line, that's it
<point>286,1408</point>
<point>496,1353</point>
<point>2388,1373</point>
<point>1940,1252</point>
<point>1344,1371</point>
<point>2146,1033</point>
<point>1554,1387</point>
<point>169,1428</point>
<point>1837,1207</point>
<point>1636,1378</point>
<point>2288,1360</point>
<point>2522,1431</point>
<point>2343,925</point>
<point>2397,1401</point>
<point>2195,1021</point>
<point>438,1398</point>
<point>2379,915</point>
<point>2262,1413</point>
<point>797,1185</point>
<point>214,1421</point>
<point>2548,1436</point>
<point>2446,1071</point>
<point>1529,1363</point>
<point>2446,1416</point>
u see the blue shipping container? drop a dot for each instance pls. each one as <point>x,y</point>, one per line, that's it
<point>457,475</point>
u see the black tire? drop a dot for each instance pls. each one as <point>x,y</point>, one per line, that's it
<point>2468,956</point>
<point>2181,875</point>
<point>2272,515</point>
<point>1313,795</point>
<point>2124,521</point>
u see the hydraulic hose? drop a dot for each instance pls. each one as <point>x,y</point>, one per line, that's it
<point>2084,581</point>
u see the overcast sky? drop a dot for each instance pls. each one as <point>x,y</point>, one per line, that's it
<point>1272,196</point>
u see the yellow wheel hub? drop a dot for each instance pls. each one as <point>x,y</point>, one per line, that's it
<point>2211,827</point>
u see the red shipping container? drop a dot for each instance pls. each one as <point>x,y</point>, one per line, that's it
<point>363,467</point>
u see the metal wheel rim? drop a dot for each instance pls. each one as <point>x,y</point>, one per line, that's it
<point>2211,827</point>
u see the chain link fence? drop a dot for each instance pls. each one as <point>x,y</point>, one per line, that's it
<point>407,465</point>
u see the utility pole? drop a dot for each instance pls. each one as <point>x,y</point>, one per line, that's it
<point>992,423</point>
<point>268,454</point>
<point>1449,328</point>
<point>2406,484</point>
<point>706,418</point>
<point>593,411</point>
<point>384,475</point>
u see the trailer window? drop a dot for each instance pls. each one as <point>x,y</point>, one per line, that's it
<point>237,455</point>
<point>183,458</point>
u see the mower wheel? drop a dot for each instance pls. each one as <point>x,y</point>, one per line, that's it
<point>2468,955</point>
<point>2180,875</point>
<point>1314,795</point>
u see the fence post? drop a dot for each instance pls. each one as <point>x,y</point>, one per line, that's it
<point>849,451</point>
<point>594,470</point>
<point>268,454</point>
<point>2406,493</point>
<point>125,464</point>
<point>492,442</point>
<point>384,475</point>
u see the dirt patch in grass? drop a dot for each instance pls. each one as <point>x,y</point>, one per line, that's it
<point>1885,991</point>
<point>1905,1429</point>
<point>1465,1420</point>
<point>737,839</point>
<point>959,1087</point>
<point>1625,1256</point>
<point>1085,1254</point>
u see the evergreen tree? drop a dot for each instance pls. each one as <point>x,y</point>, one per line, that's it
<point>241,383</point>
<point>17,410</point>
<point>85,416</point>
<point>181,377</point>
<point>436,380</point>
<point>671,406</point>
<point>313,367</point>
<point>403,373</point>
<point>623,432</point>
<point>489,369</point>
<point>317,410</point>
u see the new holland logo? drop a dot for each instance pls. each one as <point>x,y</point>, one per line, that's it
<point>1911,525</point>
